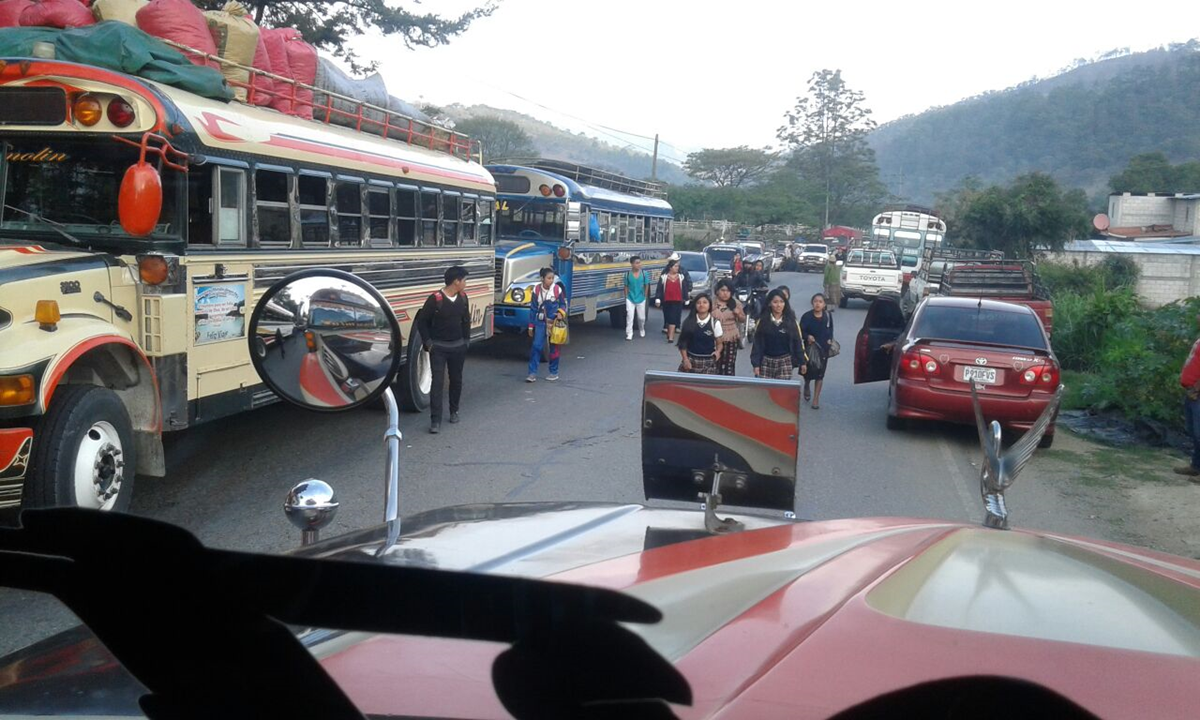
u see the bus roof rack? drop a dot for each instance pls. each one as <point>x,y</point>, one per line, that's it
<point>360,116</point>
<point>598,178</point>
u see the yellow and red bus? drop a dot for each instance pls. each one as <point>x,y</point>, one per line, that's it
<point>109,338</point>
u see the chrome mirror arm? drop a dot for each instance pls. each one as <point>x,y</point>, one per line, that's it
<point>391,480</point>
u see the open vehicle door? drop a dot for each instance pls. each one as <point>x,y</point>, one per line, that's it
<point>885,321</point>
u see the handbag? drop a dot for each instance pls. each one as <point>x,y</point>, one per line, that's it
<point>835,347</point>
<point>559,334</point>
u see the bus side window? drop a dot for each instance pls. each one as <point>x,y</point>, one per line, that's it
<point>379,208</point>
<point>406,216</point>
<point>271,207</point>
<point>200,210</point>
<point>231,210</point>
<point>468,219</point>
<point>450,210</point>
<point>313,192</point>
<point>643,230</point>
<point>667,238</point>
<point>349,213</point>
<point>431,205</point>
<point>486,208</point>
<point>605,224</point>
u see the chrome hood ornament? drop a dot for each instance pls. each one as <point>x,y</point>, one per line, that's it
<point>1000,469</point>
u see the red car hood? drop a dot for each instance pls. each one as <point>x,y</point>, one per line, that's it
<point>795,620</point>
<point>805,620</point>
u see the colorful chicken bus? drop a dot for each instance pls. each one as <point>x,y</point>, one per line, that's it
<point>909,229</point>
<point>584,223</point>
<point>124,315</point>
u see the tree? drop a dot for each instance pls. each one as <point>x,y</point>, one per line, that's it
<point>333,24</point>
<point>1146,173</point>
<point>1031,214</point>
<point>827,132</point>
<point>730,167</point>
<point>501,139</point>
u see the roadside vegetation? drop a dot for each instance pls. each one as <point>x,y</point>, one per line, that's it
<point>1116,354</point>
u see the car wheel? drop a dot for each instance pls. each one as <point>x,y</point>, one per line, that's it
<point>895,423</point>
<point>843,301</point>
<point>1046,441</point>
<point>416,377</point>
<point>83,452</point>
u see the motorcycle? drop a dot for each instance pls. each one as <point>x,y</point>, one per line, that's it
<point>753,300</point>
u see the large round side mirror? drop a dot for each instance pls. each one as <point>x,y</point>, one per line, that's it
<point>139,203</point>
<point>325,340</point>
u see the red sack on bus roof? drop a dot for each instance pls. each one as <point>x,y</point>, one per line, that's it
<point>57,14</point>
<point>264,87</point>
<point>10,12</point>
<point>296,60</point>
<point>181,22</point>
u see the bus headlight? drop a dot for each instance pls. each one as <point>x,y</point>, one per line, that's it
<point>518,295</point>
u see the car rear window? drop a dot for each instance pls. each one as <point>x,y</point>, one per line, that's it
<point>975,324</point>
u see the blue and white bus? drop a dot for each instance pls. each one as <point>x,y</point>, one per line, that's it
<point>584,223</point>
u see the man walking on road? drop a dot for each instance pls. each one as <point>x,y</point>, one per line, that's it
<point>636,283</point>
<point>444,322</point>
<point>1189,378</point>
<point>833,283</point>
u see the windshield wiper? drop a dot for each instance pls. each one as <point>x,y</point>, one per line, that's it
<point>55,226</point>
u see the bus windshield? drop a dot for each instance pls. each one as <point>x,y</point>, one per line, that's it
<point>532,220</point>
<point>74,183</point>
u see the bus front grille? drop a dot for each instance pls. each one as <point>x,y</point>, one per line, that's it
<point>499,274</point>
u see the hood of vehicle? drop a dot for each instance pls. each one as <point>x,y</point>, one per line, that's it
<point>16,253</point>
<point>783,619</point>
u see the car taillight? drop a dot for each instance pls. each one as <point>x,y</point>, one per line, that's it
<point>120,113</point>
<point>917,365</point>
<point>1041,376</point>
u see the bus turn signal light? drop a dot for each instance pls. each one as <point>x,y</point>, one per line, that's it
<point>47,314</point>
<point>120,113</point>
<point>545,190</point>
<point>16,390</point>
<point>152,269</point>
<point>87,110</point>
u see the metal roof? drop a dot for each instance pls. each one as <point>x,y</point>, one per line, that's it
<point>1177,246</point>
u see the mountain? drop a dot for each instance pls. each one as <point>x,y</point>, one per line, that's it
<point>556,143</point>
<point>1081,126</point>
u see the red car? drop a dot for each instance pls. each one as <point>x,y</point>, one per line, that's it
<point>950,343</point>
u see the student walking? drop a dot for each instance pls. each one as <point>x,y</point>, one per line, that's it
<point>636,285</point>
<point>817,327</point>
<point>674,288</point>
<point>731,316</point>
<point>444,322</point>
<point>777,348</point>
<point>547,305</point>
<point>700,339</point>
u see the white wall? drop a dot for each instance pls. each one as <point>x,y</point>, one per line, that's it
<point>1162,279</point>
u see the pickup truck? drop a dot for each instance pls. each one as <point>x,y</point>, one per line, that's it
<point>867,274</point>
<point>813,257</point>
<point>934,263</point>
<point>1013,281</point>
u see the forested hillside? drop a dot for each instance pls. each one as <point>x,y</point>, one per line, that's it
<point>559,144</point>
<point>1081,127</point>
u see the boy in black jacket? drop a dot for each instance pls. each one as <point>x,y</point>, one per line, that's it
<point>444,322</point>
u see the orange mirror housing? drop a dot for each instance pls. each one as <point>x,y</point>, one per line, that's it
<point>140,202</point>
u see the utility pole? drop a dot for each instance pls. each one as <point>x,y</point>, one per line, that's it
<point>654,161</point>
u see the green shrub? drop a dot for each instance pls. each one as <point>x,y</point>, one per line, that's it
<point>1138,361</point>
<point>1114,272</point>
<point>1082,321</point>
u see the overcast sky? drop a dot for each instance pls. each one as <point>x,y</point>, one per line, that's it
<point>722,74</point>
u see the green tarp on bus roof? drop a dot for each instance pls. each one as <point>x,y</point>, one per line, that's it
<point>117,46</point>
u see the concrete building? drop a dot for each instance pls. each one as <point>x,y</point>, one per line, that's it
<point>1153,216</point>
<point>1166,271</point>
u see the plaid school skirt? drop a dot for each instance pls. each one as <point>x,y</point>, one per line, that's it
<point>776,368</point>
<point>701,365</point>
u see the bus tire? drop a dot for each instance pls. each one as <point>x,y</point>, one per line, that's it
<point>616,317</point>
<point>416,377</point>
<point>83,452</point>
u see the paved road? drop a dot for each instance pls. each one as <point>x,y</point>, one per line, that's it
<point>572,440</point>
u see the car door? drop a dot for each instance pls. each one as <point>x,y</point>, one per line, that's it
<point>884,324</point>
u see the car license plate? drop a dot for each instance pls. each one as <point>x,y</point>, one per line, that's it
<point>986,376</point>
